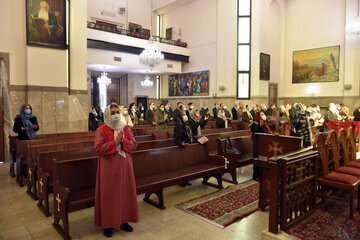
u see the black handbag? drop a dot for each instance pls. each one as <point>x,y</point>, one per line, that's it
<point>230,149</point>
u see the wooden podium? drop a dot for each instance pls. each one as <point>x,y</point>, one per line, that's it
<point>267,146</point>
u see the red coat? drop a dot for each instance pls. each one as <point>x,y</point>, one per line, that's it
<point>115,194</point>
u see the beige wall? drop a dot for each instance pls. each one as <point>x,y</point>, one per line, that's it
<point>39,75</point>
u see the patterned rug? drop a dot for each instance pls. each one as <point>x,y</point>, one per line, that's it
<point>225,206</point>
<point>329,222</point>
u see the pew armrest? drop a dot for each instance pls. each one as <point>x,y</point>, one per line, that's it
<point>216,159</point>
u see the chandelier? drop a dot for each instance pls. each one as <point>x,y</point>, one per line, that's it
<point>151,56</point>
<point>353,28</point>
<point>103,79</point>
<point>147,82</point>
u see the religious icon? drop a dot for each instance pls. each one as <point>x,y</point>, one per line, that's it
<point>46,23</point>
<point>264,66</point>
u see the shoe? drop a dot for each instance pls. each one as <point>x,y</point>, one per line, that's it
<point>126,227</point>
<point>188,183</point>
<point>182,185</point>
<point>108,232</point>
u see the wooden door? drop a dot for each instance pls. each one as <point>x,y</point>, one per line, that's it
<point>113,92</point>
<point>273,92</point>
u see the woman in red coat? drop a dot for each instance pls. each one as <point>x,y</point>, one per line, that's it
<point>115,195</point>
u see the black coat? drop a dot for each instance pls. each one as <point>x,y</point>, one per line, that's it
<point>181,136</point>
<point>18,124</point>
<point>234,113</point>
<point>194,125</point>
<point>215,112</point>
<point>356,115</point>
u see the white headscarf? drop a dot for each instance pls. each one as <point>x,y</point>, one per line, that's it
<point>117,127</point>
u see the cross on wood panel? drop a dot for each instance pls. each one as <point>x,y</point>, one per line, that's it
<point>58,201</point>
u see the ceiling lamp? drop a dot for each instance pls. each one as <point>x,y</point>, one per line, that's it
<point>353,28</point>
<point>103,79</point>
<point>147,82</point>
<point>151,56</point>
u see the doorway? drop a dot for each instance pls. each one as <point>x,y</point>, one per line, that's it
<point>273,93</point>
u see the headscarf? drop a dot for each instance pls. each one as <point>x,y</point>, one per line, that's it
<point>27,123</point>
<point>299,108</point>
<point>194,117</point>
<point>116,127</point>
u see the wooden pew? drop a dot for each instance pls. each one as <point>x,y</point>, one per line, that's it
<point>155,144</point>
<point>156,169</point>
<point>46,170</point>
<point>23,146</point>
<point>31,162</point>
<point>212,143</point>
<point>13,144</point>
<point>142,138</point>
<point>74,189</point>
<point>245,145</point>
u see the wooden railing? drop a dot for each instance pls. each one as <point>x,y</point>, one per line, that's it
<point>293,184</point>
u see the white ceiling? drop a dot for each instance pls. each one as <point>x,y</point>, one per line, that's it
<point>116,71</point>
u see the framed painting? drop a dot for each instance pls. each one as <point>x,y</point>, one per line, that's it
<point>264,66</point>
<point>168,33</point>
<point>316,65</point>
<point>46,23</point>
<point>189,84</point>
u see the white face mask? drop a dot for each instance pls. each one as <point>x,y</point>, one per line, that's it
<point>185,108</point>
<point>185,118</point>
<point>263,117</point>
<point>225,107</point>
<point>27,111</point>
<point>115,118</point>
<point>162,109</point>
<point>191,107</point>
<point>125,112</point>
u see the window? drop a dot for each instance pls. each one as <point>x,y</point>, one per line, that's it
<point>243,49</point>
<point>157,87</point>
<point>158,25</point>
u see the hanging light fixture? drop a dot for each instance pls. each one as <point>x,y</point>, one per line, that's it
<point>103,79</point>
<point>147,82</point>
<point>151,56</point>
<point>103,82</point>
<point>353,28</point>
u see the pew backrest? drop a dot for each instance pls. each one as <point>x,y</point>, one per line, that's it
<point>162,160</point>
<point>76,174</point>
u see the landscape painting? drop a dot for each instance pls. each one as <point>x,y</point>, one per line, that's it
<point>189,84</point>
<point>316,65</point>
<point>46,23</point>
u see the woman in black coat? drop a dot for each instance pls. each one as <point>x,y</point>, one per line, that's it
<point>196,122</point>
<point>25,124</point>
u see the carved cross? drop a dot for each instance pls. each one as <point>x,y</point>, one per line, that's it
<point>41,183</point>
<point>226,163</point>
<point>29,174</point>
<point>276,149</point>
<point>58,201</point>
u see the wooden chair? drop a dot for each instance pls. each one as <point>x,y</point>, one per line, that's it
<point>328,178</point>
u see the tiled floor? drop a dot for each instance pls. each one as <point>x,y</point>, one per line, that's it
<point>21,219</point>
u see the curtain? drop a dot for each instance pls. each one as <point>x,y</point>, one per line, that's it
<point>8,123</point>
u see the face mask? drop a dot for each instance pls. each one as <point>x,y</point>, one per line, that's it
<point>125,112</point>
<point>263,117</point>
<point>27,111</point>
<point>162,109</point>
<point>133,109</point>
<point>185,109</point>
<point>225,107</point>
<point>185,118</point>
<point>191,107</point>
<point>115,118</point>
<point>248,109</point>
<point>180,107</point>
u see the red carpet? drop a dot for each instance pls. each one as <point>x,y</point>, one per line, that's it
<point>329,222</point>
<point>225,206</point>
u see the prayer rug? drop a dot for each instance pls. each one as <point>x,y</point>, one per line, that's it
<point>329,222</point>
<point>225,206</point>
